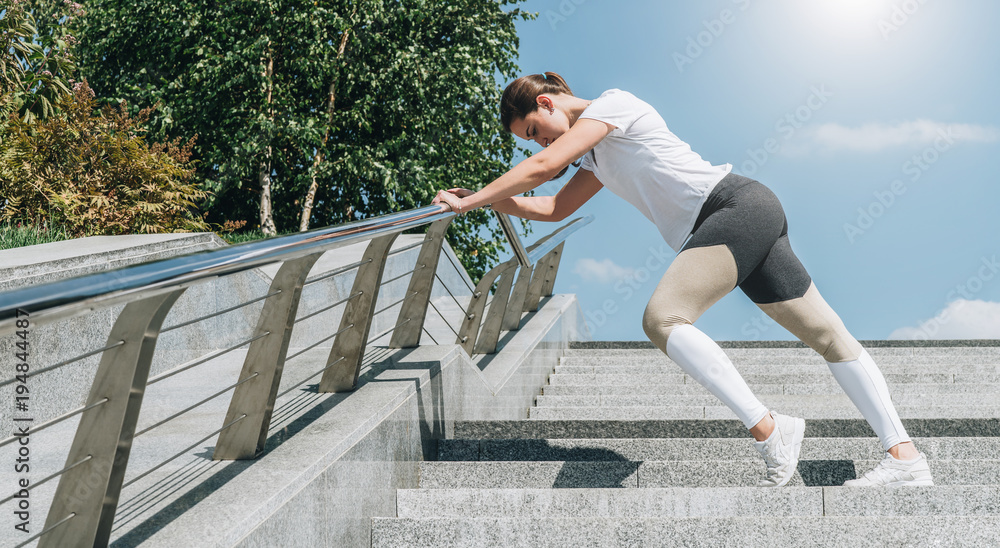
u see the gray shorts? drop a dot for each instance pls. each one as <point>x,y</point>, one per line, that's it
<point>747,217</point>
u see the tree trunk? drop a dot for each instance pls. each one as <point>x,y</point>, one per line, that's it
<point>264,178</point>
<point>266,217</point>
<point>318,159</point>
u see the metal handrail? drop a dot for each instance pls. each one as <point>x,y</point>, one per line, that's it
<point>82,294</point>
<point>557,238</point>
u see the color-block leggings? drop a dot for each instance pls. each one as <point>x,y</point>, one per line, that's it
<point>741,240</point>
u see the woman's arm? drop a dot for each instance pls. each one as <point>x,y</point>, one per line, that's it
<point>539,168</point>
<point>574,194</point>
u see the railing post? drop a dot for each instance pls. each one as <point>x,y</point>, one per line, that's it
<point>537,281</point>
<point>489,334</point>
<point>349,346</point>
<point>512,317</point>
<point>265,359</point>
<point>550,276</point>
<point>90,489</point>
<point>469,331</point>
<point>418,293</point>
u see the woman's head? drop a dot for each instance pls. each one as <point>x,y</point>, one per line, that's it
<point>529,107</point>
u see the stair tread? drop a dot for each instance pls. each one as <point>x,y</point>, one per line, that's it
<point>708,428</point>
<point>645,449</point>
<point>702,501</point>
<point>855,531</point>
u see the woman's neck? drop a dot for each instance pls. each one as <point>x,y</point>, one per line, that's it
<point>574,107</point>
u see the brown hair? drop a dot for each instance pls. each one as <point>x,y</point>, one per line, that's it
<point>520,97</point>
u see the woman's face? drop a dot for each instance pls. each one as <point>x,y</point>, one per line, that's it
<point>542,126</point>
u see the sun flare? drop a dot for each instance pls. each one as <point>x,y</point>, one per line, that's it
<point>851,13</point>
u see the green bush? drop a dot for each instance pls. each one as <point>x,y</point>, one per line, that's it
<point>92,172</point>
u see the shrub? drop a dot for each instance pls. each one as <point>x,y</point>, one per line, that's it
<point>92,172</point>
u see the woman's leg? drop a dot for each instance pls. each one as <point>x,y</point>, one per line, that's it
<point>815,323</point>
<point>696,279</point>
<point>781,288</point>
<point>734,232</point>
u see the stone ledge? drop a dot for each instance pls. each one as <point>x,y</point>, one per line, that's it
<point>43,263</point>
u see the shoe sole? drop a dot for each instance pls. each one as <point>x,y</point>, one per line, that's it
<point>914,483</point>
<point>926,482</point>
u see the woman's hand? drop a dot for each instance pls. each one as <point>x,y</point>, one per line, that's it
<point>453,198</point>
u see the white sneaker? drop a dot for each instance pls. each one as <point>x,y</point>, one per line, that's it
<point>781,449</point>
<point>892,473</point>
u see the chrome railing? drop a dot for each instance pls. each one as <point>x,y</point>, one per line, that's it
<point>90,484</point>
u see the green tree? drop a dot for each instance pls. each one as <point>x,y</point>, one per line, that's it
<point>36,61</point>
<point>312,113</point>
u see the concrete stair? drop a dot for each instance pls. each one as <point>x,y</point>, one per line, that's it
<point>623,449</point>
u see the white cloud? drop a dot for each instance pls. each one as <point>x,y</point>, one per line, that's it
<point>874,137</point>
<point>961,319</point>
<point>605,271</point>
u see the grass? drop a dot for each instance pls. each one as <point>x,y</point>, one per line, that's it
<point>248,236</point>
<point>12,236</point>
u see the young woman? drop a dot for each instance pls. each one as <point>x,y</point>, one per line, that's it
<point>738,238</point>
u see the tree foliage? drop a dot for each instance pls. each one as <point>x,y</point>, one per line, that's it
<point>36,61</point>
<point>331,110</point>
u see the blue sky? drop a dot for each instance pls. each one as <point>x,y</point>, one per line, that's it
<point>882,122</point>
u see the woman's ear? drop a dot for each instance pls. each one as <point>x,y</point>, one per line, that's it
<point>545,102</point>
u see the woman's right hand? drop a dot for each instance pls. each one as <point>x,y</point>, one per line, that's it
<point>461,192</point>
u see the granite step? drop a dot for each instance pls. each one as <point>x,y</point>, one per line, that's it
<point>576,474</point>
<point>775,369</point>
<point>590,532</point>
<point>751,360</point>
<point>718,411</point>
<point>776,400</point>
<point>622,448</point>
<point>896,389</point>
<point>824,378</point>
<point>707,428</point>
<point>722,449</point>
<point>992,351</point>
<point>655,502</point>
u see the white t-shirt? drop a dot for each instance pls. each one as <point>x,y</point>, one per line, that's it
<point>648,166</point>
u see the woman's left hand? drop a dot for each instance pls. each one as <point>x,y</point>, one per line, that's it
<point>453,198</point>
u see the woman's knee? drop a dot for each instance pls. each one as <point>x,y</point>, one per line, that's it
<point>840,348</point>
<point>658,324</point>
<point>815,323</point>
